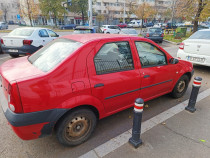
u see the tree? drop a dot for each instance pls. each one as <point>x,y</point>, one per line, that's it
<point>29,9</point>
<point>52,8</point>
<point>5,10</point>
<point>100,18</point>
<point>79,7</point>
<point>193,10</point>
<point>167,14</point>
<point>144,11</point>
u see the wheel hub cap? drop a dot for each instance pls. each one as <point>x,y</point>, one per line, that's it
<point>181,86</point>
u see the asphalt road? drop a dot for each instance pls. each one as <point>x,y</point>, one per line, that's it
<point>107,128</point>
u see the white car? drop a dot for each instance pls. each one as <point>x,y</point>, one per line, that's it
<point>196,48</point>
<point>27,40</point>
<point>135,23</point>
<point>110,29</point>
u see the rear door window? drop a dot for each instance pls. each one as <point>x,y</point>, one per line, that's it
<point>43,33</point>
<point>113,57</point>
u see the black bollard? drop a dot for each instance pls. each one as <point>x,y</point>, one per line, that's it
<point>194,94</point>
<point>138,109</point>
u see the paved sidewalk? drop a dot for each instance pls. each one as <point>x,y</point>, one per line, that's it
<point>185,135</point>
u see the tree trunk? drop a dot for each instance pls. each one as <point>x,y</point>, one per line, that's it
<point>83,18</point>
<point>201,6</point>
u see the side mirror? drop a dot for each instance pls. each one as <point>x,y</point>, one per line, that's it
<point>173,61</point>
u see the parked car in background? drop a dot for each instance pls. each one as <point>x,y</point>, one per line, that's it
<point>196,48</point>
<point>67,26</point>
<point>158,25</point>
<point>86,29</point>
<point>76,80</point>
<point>27,40</point>
<point>135,23</point>
<point>11,22</point>
<point>128,31</point>
<point>122,25</point>
<point>3,25</point>
<point>170,26</point>
<point>110,29</point>
<point>150,24</point>
<point>154,33</point>
<point>22,23</point>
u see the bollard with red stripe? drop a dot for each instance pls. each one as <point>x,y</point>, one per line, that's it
<point>194,94</point>
<point>136,131</point>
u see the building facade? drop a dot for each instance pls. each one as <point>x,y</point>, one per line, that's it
<point>9,10</point>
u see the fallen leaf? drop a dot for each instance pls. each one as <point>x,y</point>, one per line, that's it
<point>146,106</point>
<point>163,123</point>
<point>129,117</point>
<point>203,140</point>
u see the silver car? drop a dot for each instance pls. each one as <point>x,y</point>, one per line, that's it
<point>3,25</point>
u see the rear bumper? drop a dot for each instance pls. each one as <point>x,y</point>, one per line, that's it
<point>31,125</point>
<point>20,50</point>
<point>34,125</point>
<point>186,56</point>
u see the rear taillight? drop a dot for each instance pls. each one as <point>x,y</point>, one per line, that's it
<point>147,35</point>
<point>2,41</point>
<point>27,42</point>
<point>104,29</point>
<point>181,46</point>
<point>162,34</point>
<point>14,101</point>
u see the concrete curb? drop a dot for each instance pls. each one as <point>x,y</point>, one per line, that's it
<point>171,42</point>
<point>111,145</point>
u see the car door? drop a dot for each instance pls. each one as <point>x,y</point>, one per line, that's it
<point>114,78</point>
<point>44,36</point>
<point>157,75</point>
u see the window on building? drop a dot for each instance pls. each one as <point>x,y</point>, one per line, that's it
<point>104,11</point>
<point>98,3</point>
<point>99,11</point>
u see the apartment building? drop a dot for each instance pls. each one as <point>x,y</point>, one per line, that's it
<point>9,10</point>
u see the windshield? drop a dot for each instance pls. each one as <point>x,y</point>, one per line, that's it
<point>200,35</point>
<point>155,30</point>
<point>21,32</point>
<point>83,31</point>
<point>129,31</point>
<point>54,53</point>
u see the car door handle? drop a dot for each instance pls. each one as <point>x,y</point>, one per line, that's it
<point>146,76</point>
<point>98,85</point>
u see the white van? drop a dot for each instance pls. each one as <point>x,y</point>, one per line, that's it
<point>135,23</point>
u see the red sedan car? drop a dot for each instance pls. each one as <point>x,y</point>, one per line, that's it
<point>75,80</point>
<point>122,25</point>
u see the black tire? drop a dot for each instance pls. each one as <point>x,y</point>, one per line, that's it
<point>161,41</point>
<point>76,128</point>
<point>180,87</point>
<point>107,33</point>
<point>14,55</point>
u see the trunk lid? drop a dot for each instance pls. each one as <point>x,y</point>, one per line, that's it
<point>18,69</point>
<point>14,41</point>
<point>197,46</point>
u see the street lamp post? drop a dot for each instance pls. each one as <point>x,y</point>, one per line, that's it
<point>90,14</point>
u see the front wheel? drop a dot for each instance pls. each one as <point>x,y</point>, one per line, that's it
<point>180,87</point>
<point>76,128</point>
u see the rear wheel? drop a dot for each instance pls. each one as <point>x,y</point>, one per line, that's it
<point>180,87</point>
<point>14,55</point>
<point>76,128</point>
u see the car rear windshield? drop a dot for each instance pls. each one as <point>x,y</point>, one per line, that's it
<point>21,32</point>
<point>54,53</point>
<point>155,30</point>
<point>200,35</point>
<point>82,31</point>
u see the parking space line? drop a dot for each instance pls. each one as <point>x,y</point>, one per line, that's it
<point>123,138</point>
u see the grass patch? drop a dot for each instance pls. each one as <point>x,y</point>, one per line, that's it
<point>172,39</point>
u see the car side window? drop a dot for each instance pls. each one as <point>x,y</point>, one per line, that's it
<point>113,57</point>
<point>43,33</point>
<point>52,34</point>
<point>150,55</point>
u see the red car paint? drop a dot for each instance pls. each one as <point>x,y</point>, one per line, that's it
<point>122,25</point>
<point>46,96</point>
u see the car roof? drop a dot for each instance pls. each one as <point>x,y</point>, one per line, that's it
<point>84,38</point>
<point>204,30</point>
<point>32,28</point>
